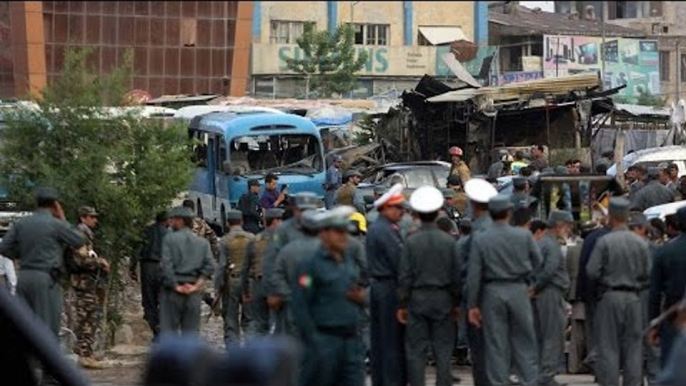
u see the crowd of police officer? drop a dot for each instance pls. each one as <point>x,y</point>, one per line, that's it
<point>402,286</point>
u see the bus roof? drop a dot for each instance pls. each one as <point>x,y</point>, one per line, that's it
<point>190,112</point>
<point>237,125</point>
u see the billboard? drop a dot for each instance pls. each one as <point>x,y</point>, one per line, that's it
<point>630,62</point>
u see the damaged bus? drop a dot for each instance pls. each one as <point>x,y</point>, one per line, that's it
<point>231,148</point>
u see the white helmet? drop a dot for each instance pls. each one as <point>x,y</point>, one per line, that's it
<point>426,199</point>
<point>479,190</point>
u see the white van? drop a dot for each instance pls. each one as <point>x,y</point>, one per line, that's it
<point>653,157</point>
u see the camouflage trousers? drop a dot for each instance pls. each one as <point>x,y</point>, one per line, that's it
<point>86,309</point>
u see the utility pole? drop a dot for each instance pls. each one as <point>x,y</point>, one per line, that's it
<point>678,71</point>
<point>602,44</point>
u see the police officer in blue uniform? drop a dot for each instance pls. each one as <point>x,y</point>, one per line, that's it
<point>384,246</point>
<point>326,308</point>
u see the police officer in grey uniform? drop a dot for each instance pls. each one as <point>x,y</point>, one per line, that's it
<point>233,249</point>
<point>479,193</point>
<point>551,282</point>
<point>429,291</point>
<point>282,280</point>
<point>501,261</point>
<point>38,242</point>
<point>254,296</point>
<point>187,263</point>
<point>654,193</point>
<point>620,264</point>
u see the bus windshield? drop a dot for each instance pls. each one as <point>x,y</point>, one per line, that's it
<point>282,153</point>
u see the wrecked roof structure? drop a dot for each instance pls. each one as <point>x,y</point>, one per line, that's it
<point>556,112</point>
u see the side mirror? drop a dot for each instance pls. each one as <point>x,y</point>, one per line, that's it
<point>226,167</point>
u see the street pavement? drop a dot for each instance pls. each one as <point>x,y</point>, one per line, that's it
<point>131,375</point>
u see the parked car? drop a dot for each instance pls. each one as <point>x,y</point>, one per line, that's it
<point>415,175</point>
<point>653,157</point>
<point>664,210</point>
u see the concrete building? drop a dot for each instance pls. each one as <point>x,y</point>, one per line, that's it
<point>404,39</point>
<point>664,21</point>
<point>187,47</point>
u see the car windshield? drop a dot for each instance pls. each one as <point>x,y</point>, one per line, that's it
<point>412,178</point>
<point>283,153</point>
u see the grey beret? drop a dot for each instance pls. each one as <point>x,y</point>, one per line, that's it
<point>619,207</point>
<point>47,194</point>
<point>306,200</point>
<point>558,216</point>
<point>234,215</point>
<point>181,212</point>
<point>273,213</point>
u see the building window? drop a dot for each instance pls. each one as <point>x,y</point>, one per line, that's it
<point>664,66</point>
<point>683,68</point>
<point>372,34</point>
<point>286,32</point>
<point>634,9</point>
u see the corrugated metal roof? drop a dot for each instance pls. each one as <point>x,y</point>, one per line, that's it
<point>639,110</point>
<point>527,22</point>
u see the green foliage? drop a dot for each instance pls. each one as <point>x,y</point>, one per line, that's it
<point>330,61</point>
<point>127,167</point>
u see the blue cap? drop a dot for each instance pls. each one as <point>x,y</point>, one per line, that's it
<point>499,203</point>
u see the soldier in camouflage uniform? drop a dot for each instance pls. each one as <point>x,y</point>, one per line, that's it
<point>202,229</point>
<point>233,252</point>
<point>88,280</point>
<point>252,273</point>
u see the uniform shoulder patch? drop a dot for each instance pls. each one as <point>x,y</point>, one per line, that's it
<point>305,281</point>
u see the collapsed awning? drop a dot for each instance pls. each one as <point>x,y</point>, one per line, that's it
<point>442,35</point>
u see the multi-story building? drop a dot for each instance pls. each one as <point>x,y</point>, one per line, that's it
<point>187,47</point>
<point>664,21</point>
<point>404,39</point>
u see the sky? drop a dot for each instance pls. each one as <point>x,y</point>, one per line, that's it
<point>548,6</point>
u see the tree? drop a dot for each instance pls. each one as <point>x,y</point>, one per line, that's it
<point>329,63</point>
<point>125,166</point>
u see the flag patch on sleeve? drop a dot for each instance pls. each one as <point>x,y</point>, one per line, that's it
<point>305,281</point>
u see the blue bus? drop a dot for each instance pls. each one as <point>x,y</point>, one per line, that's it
<point>231,148</point>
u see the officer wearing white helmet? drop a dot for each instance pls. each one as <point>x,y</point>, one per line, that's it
<point>429,291</point>
<point>478,191</point>
<point>384,244</point>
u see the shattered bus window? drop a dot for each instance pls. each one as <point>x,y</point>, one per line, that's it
<point>289,153</point>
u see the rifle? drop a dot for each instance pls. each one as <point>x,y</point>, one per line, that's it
<point>215,304</point>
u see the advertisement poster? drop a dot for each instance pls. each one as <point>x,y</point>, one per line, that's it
<point>473,66</point>
<point>630,62</point>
